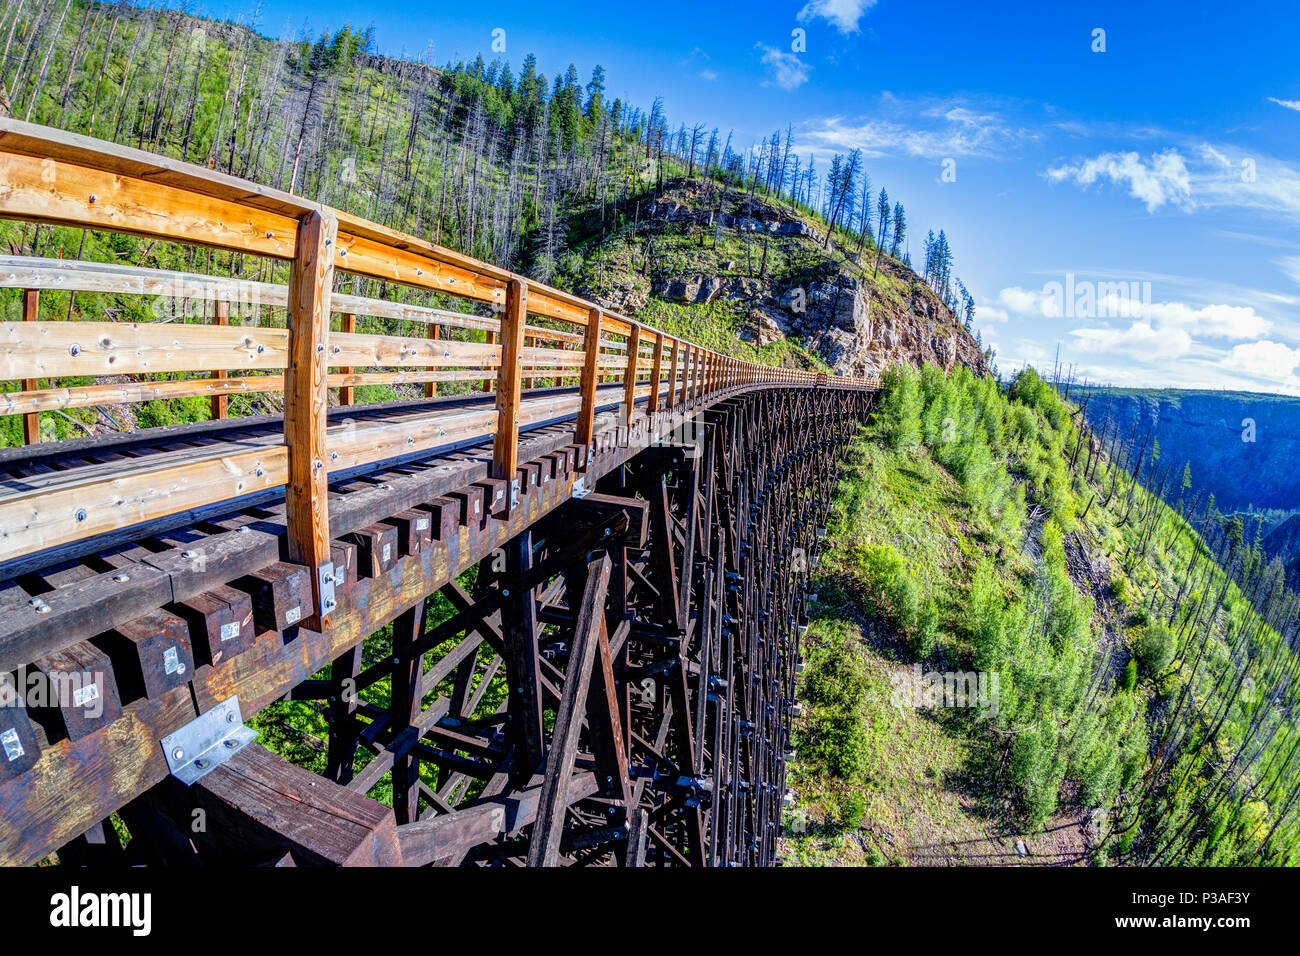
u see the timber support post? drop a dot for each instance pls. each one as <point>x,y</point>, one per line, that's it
<point>505,443</point>
<point>629,378</point>
<point>306,402</point>
<point>588,382</point>
<point>32,420</point>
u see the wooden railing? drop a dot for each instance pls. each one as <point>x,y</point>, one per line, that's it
<point>290,345</point>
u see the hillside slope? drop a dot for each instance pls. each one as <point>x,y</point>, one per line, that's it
<point>1023,657</point>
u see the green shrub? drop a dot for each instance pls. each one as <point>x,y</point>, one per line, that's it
<point>1154,649</point>
<point>834,733</point>
<point>900,409</point>
<point>925,633</point>
<point>1129,680</point>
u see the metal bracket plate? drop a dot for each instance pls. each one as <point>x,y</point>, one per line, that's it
<point>580,489</point>
<point>325,579</point>
<point>207,741</point>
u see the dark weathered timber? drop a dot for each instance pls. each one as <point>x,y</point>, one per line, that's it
<point>258,807</point>
<point>692,681</point>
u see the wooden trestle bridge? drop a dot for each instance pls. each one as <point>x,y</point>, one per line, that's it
<point>614,687</point>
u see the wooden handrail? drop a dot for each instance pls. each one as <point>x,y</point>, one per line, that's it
<point>51,176</point>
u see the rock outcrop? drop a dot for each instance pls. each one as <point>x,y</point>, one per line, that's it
<point>858,319</point>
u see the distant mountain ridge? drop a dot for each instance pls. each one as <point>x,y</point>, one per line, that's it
<point>1242,446</point>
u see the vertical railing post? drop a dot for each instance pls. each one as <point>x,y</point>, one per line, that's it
<point>587,384</point>
<point>686,372</point>
<point>505,445</point>
<point>630,375</point>
<point>347,393</point>
<point>31,420</point>
<point>489,338</point>
<point>652,404</point>
<point>306,402</point>
<point>672,377</point>
<point>431,388</point>
<point>220,402</point>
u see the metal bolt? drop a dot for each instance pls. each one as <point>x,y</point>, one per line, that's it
<point>178,754</point>
<point>231,744</point>
<point>81,514</point>
<point>201,763</point>
<point>187,554</point>
<point>93,198</point>
<point>121,578</point>
<point>230,718</point>
<point>74,350</point>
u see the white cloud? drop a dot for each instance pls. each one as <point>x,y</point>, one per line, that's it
<point>1287,104</point>
<point>709,75</point>
<point>784,69</point>
<point>1152,331</point>
<point>842,14</point>
<point>1217,321</point>
<point>1201,176</point>
<point>1264,359</point>
<point>991,313</point>
<point>1291,266</point>
<point>1162,179</point>
<point>925,129</point>
<point>1140,339</point>
<point>1027,302</point>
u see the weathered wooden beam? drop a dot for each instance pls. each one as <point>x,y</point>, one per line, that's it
<point>306,393</point>
<point>544,847</point>
<point>220,401</point>
<point>505,445</point>
<point>259,806</point>
<point>522,657</point>
<point>450,835</point>
<point>32,420</point>
<point>656,373</point>
<point>630,374</point>
<point>587,385</point>
<point>347,326</point>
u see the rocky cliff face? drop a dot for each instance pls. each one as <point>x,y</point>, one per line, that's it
<point>860,318</point>
<point>1242,446</point>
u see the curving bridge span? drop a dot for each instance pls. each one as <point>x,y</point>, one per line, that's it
<point>547,609</point>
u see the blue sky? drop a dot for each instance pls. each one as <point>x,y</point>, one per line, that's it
<point>1167,163</point>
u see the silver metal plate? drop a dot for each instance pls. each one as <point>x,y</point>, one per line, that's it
<point>207,742</point>
<point>325,579</point>
<point>580,489</point>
